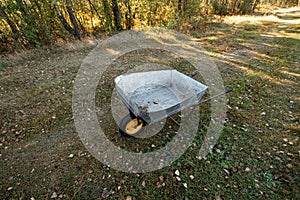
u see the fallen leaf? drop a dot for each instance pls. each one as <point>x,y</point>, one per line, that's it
<point>226,171</point>
<point>285,191</point>
<point>234,169</point>
<point>218,198</point>
<point>244,129</point>
<point>277,158</point>
<point>276,176</point>
<point>10,188</point>
<point>71,156</point>
<point>105,193</point>
<point>158,185</point>
<point>144,184</point>
<point>54,195</point>
<point>161,178</point>
<point>185,185</point>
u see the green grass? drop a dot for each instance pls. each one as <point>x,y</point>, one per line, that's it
<point>257,154</point>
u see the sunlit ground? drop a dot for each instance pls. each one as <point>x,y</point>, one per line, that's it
<point>276,16</point>
<point>256,157</point>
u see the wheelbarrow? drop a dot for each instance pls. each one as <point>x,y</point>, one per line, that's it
<point>155,95</point>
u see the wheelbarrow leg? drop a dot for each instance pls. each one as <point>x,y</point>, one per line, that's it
<point>203,101</point>
<point>174,120</point>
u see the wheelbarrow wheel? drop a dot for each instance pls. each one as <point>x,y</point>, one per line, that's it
<point>131,126</point>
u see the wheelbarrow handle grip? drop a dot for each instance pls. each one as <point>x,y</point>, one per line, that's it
<point>228,90</point>
<point>217,95</point>
<point>193,74</point>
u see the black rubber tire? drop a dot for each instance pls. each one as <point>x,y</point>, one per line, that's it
<point>124,122</point>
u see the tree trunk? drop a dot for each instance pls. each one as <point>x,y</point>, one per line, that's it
<point>179,6</point>
<point>255,3</point>
<point>63,20</point>
<point>207,5</point>
<point>234,6</point>
<point>45,28</point>
<point>185,4</point>
<point>117,15</point>
<point>73,19</point>
<point>12,26</point>
<point>107,13</point>
<point>128,16</point>
<point>94,8</point>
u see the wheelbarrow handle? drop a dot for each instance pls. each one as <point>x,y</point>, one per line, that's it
<point>228,90</point>
<point>217,95</point>
<point>193,74</point>
<point>205,100</point>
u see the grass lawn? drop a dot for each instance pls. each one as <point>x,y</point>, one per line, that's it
<point>257,155</point>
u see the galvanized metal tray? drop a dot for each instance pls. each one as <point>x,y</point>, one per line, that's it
<point>155,95</point>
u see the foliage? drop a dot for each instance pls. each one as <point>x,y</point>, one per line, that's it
<point>32,23</point>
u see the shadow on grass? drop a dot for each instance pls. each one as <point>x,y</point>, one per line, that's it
<point>256,156</point>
